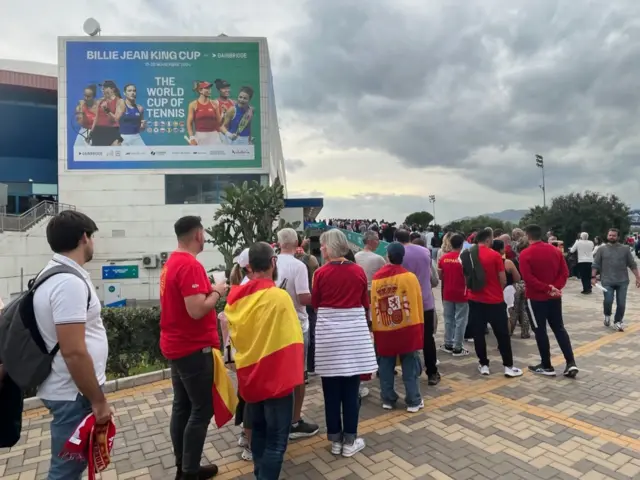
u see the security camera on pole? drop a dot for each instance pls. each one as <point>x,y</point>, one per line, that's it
<point>540,165</point>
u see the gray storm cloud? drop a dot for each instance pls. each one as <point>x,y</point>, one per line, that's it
<point>470,85</point>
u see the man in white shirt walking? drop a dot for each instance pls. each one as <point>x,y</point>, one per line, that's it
<point>584,249</point>
<point>67,311</point>
<point>293,276</point>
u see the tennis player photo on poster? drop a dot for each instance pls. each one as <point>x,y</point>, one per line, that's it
<point>170,104</point>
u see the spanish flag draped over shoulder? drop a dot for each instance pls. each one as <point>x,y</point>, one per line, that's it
<point>266,334</point>
<point>225,399</point>
<point>396,311</point>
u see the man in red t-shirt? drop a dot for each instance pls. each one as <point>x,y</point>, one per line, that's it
<point>188,333</point>
<point>486,302</point>
<point>454,298</point>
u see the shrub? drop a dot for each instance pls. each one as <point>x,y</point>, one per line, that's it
<point>134,335</point>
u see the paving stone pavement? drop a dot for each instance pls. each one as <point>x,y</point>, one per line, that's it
<point>471,427</point>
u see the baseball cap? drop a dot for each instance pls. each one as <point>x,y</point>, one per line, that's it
<point>222,84</point>
<point>395,252</point>
<point>242,259</point>
<point>204,84</point>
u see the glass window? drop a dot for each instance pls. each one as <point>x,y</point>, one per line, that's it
<point>202,189</point>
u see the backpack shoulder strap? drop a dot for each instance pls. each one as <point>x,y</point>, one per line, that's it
<point>58,269</point>
<point>53,271</point>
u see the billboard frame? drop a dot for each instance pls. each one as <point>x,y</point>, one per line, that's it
<point>264,78</point>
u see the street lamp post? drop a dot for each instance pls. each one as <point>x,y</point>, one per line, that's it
<point>432,200</point>
<point>540,165</point>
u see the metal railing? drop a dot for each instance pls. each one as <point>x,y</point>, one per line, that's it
<point>23,222</point>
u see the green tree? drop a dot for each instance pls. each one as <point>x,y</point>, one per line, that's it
<point>589,212</point>
<point>421,219</point>
<point>249,213</point>
<point>469,225</point>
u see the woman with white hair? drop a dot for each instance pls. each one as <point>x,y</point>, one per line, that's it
<point>344,349</point>
<point>584,248</point>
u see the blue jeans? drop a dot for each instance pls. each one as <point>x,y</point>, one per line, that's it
<point>620,291</point>
<point>456,317</point>
<point>67,415</point>
<point>271,423</point>
<point>341,407</point>
<point>411,370</point>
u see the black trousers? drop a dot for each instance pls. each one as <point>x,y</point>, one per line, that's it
<point>584,269</point>
<point>429,348</point>
<point>495,314</point>
<point>311,351</point>
<point>192,410</point>
<point>550,311</point>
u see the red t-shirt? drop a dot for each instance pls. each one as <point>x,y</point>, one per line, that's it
<point>454,286</point>
<point>340,285</point>
<point>181,335</point>
<point>493,264</point>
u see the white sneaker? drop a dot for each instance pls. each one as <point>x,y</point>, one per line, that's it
<point>387,406</point>
<point>242,440</point>
<point>247,455</point>
<point>484,370</point>
<point>607,321</point>
<point>364,392</point>
<point>417,408</point>
<point>437,362</point>
<point>336,448</point>
<point>512,372</point>
<point>351,450</point>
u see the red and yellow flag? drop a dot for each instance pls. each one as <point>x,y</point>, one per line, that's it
<point>225,399</point>
<point>266,334</point>
<point>397,314</point>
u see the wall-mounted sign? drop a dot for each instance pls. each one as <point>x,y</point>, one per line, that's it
<point>119,272</point>
<point>113,296</point>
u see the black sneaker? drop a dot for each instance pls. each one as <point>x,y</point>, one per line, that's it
<point>463,352</point>
<point>434,379</point>
<point>447,348</point>
<point>571,370</point>
<point>306,378</point>
<point>303,429</point>
<point>540,370</point>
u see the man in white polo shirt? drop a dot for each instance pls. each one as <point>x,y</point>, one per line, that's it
<point>293,276</point>
<point>67,310</point>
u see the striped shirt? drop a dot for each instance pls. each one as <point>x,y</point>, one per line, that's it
<point>343,343</point>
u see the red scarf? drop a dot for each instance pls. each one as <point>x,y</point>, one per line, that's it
<point>91,443</point>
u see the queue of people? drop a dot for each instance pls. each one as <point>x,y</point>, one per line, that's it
<point>287,317</point>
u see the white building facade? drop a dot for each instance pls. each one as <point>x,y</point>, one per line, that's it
<point>136,193</point>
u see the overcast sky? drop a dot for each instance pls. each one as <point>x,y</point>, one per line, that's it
<point>384,102</point>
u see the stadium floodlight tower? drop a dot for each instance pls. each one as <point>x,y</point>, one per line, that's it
<point>91,27</point>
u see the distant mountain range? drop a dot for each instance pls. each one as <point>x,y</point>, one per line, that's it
<point>512,216</point>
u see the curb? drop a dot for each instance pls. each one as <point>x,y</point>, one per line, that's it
<point>113,386</point>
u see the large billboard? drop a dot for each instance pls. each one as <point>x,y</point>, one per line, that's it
<point>162,104</point>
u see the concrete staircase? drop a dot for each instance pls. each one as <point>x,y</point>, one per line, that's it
<point>30,218</point>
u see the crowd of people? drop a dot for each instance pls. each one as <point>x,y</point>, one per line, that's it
<point>290,316</point>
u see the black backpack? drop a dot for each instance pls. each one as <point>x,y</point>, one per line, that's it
<point>23,351</point>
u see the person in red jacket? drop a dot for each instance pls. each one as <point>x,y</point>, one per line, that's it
<point>545,274</point>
